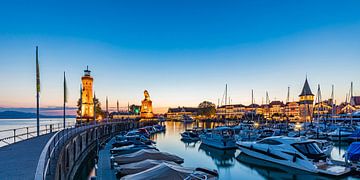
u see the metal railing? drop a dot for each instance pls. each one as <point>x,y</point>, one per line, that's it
<point>57,142</point>
<point>10,136</point>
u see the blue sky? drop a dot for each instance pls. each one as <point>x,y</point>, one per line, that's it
<point>183,52</point>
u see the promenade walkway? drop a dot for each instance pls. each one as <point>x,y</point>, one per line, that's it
<point>19,160</point>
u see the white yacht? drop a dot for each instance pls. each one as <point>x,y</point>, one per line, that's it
<point>341,134</point>
<point>220,137</point>
<point>298,153</point>
<point>186,119</point>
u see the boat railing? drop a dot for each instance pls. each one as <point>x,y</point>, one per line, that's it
<point>10,136</point>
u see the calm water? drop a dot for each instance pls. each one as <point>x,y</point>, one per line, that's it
<point>197,155</point>
<point>9,124</point>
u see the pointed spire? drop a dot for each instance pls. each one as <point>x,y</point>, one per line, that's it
<point>288,95</point>
<point>306,89</point>
<point>117,105</point>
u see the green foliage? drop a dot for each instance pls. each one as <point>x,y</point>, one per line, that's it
<point>207,109</point>
<point>98,109</point>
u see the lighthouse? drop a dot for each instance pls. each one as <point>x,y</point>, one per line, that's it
<point>87,107</point>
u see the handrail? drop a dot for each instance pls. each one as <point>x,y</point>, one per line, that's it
<point>55,144</point>
<point>23,133</point>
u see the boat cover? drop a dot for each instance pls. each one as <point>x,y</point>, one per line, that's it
<point>146,154</point>
<point>137,167</point>
<point>353,151</point>
<point>162,171</point>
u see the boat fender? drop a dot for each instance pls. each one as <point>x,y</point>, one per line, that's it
<point>294,157</point>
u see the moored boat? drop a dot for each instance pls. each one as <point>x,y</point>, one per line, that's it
<point>220,137</point>
<point>298,153</point>
<point>189,136</point>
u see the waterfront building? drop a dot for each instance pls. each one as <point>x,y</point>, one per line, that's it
<point>87,105</point>
<point>277,110</point>
<point>345,108</point>
<point>292,111</point>
<point>264,110</point>
<point>306,103</point>
<point>146,107</point>
<point>179,112</point>
<point>323,109</point>
<point>234,111</point>
<point>355,102</point>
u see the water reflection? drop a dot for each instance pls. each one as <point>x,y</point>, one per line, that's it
<point>190,143</point>
<point>225,162</point>
<point>222,158</point>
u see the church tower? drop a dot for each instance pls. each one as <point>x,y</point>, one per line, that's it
<point>87,107</point>
<point>306,103</point>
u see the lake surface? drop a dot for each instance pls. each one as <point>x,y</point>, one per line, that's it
<point>10,124</point>
<point>225,162</point>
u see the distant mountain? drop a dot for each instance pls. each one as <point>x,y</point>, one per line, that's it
<point>25,115</point>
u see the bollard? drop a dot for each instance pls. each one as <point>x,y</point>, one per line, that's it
<point>27,132</point>
<point>50,128</point>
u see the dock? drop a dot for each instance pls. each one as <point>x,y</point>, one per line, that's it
<point>104,170</point>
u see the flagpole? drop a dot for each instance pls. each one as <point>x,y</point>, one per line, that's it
<point>64,99</point>
<point>37,94</point>
<point>80,105</point>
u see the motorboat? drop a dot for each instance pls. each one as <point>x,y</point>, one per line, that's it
<point>222,137</point>
<point>129,140</point>
<point>325,146</point>
<point>136,167</point>
<point>352,155</point>
<point>130,149</point>
<point>189,136</point>
<point>268,133</point>
<point>186,119</point>
<point>165,171</point>
<point>159,128</point>
<point>298,153</point>
<point>341,134</point>
<point>247,135</point>
<point>355,136</point>
<point>144,154</point>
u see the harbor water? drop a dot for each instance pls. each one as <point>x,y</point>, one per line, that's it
<point>225,161</point>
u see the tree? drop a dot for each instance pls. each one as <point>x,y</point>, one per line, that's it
<point>207,109</point>
<point>134,109</point>
<point>98,110</point>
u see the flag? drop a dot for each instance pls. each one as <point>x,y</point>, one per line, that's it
<point>37,72</point>
<point>65,89</point>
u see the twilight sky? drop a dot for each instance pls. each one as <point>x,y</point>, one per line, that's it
<point>182,52</point>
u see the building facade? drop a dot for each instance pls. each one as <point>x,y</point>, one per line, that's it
<point>306,103</point>
<point>179,112</point>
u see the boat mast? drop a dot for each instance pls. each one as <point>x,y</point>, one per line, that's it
<point>252,104</point>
